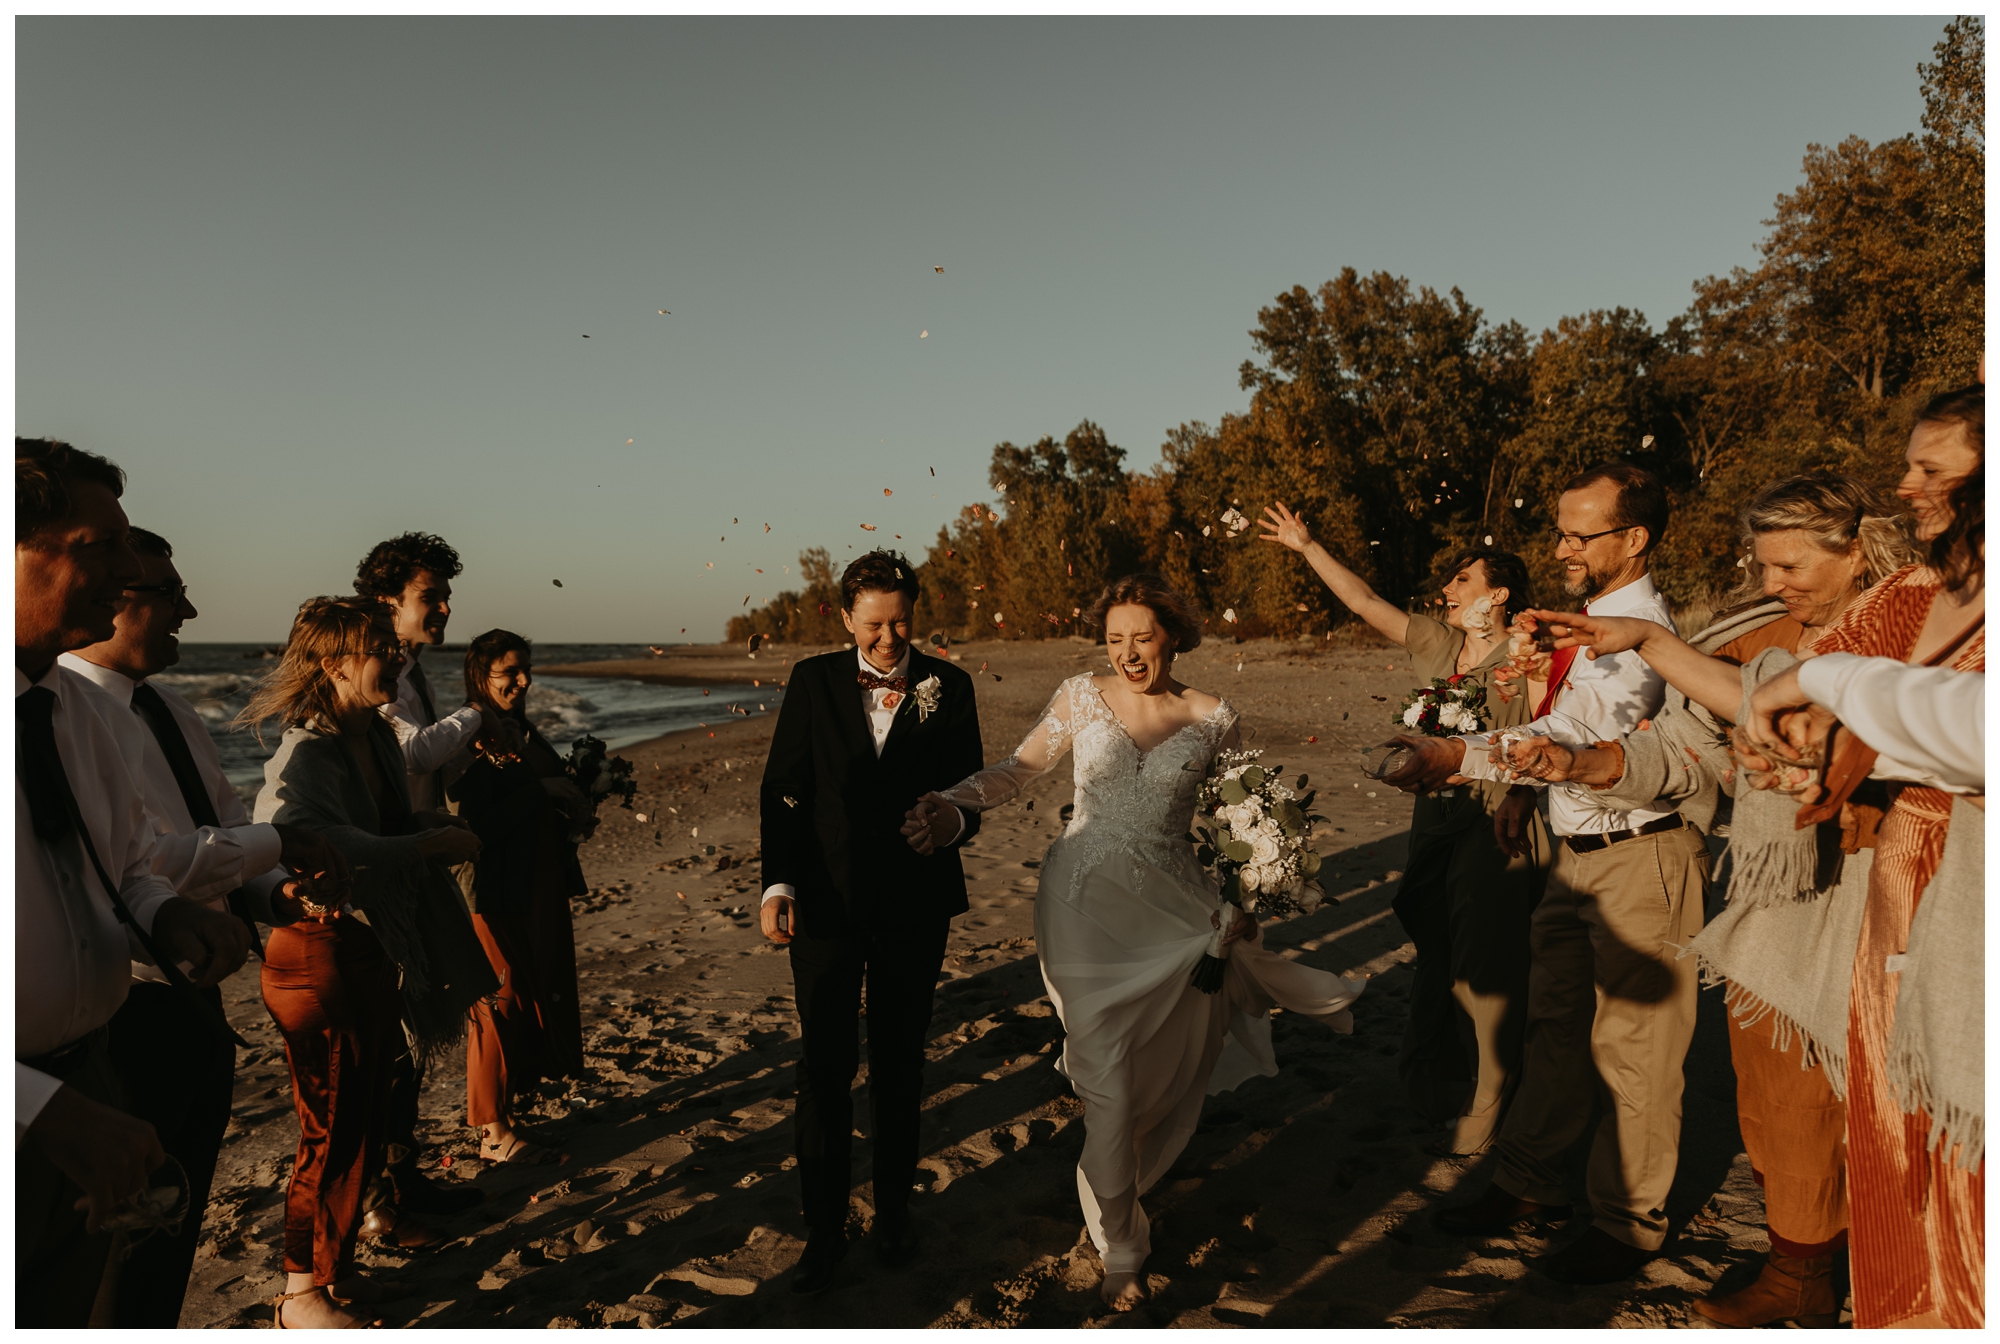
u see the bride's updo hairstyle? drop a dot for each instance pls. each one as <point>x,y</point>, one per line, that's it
<point>1175,613</point>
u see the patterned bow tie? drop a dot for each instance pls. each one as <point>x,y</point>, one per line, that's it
<point>868,681</point>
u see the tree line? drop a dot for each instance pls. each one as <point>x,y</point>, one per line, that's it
<point>1405,426</point>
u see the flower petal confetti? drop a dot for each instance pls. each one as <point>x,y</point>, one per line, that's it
<point>868,527</point>
<point>557,582</point>
<point>922,334</point>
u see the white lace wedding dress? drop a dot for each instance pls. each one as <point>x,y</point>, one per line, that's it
<point>1121,920</point>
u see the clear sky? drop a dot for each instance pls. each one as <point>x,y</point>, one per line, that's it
<point>316,281</point>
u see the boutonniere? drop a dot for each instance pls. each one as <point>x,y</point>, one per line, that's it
<point>928,691</point>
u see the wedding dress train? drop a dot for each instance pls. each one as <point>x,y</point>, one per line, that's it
<point>1121,920</point>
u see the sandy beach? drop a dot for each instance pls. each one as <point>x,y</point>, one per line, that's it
<point>1304,1199</point>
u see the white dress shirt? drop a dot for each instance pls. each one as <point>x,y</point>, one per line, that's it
<point>879,704</point>
<point>205,863</point>
<point>1602,699</point>
<point>72,957</point>
<point>1927,724</point>
<point>428,747</point>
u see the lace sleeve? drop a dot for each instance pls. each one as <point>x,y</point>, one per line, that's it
<point>1036,755</point>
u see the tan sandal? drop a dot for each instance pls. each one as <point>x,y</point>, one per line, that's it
<point>519,1152</point>
<point>278,1310</point>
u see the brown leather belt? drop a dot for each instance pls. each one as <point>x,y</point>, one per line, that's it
<point>1590,844</point>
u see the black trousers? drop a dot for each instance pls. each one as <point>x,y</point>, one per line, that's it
<point>57,1265</point>
<point>179,1075</point>
<point>900,969</point>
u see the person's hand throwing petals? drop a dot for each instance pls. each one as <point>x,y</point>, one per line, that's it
<point>1283,526</point>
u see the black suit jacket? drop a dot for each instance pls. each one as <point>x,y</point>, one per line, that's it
<point>833,813</point>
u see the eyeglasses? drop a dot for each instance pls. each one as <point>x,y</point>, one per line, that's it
<point>175,593</point>
<point>1577,541</point>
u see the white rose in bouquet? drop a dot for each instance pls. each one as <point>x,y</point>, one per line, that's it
<point>1249,879</point>
<point>1413,716</point>
<point>1264,850</point>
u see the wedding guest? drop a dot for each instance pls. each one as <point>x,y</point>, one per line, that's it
<point>411,574</point>
<point>1464,902</point>
<point>87,898</point>
<point>1816,543</point>
<point>1611,1004</point>
<point>1915,1054</point>
<point>331,982</point>
<point>861,735</point>
<point>525,811</point>
<point>178,1071</point>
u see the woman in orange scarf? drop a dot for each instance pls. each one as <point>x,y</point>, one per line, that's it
<point>1917,1231</point>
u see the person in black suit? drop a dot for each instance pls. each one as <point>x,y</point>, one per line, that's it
<point>862,735</point>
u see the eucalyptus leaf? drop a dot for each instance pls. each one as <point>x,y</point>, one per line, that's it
<point>1253,778</point>
<point>1238,850</point>
<point>1233,791</point>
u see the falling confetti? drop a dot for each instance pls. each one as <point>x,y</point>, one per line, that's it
<point>767,527</point>
<point>886,492</point>
<point>933,471</point>
<point>1519,502</point>
<point>710,565</point>
<point>640,815</point>
<point>1229,614</point>
<point>557,582</point>
<point>938,269</point>
<point>755,641</point>
<point>586,335</point>
<point>922,334</point>
<point>826,609</point>
<point>663,312</point>
<point>1312,739</point>
<point>1489,542</point>
<point>1646,442</point>
<point>628,443</point>
<point>868,527</point>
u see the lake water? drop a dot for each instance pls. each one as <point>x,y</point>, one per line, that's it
<point>218,679</point>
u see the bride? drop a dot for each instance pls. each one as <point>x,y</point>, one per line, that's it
<point>1125,914</point>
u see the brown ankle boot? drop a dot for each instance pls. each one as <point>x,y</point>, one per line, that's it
<point>1788,1290</point>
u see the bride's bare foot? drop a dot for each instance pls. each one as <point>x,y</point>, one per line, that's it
<point>1123,1291</point>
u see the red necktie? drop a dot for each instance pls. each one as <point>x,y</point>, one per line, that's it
<point>1559,662</point>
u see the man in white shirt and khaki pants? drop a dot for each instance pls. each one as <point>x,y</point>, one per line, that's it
<point>1611,1004</point>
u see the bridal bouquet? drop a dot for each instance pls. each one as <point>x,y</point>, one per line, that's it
<point>1255,836</point>
<point>1447,707</point>
<point>598,774</point>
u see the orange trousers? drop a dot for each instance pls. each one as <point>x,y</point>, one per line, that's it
<point>1794,1129</point>
<point>333,993</point>
<point>1918,1247</point>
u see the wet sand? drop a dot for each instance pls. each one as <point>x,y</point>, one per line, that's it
<point>1303,1200</point>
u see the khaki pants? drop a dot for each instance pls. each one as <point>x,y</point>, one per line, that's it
<point>1611,1009</point>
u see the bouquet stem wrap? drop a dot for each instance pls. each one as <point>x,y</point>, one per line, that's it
<point>1208,971</point>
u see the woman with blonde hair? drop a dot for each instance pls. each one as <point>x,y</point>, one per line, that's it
<point>331,983</point>
<point>1913,1051</point>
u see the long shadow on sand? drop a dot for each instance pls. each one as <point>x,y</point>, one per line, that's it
<point>1303,1200</point>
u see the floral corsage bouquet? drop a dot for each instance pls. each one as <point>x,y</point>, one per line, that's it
<point>598,774</point>
<point>1255,836</point>
<point>1447,707</point>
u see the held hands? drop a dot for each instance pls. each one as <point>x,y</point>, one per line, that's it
<point>1283,526</point>
<point>1433,764</point>
<point>932,824</point>
<point>212,943</point>
<point>1785,724</point>
<point>288,902</point>
<point>105,1151</point>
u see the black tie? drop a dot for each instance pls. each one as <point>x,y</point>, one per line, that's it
<point>38,765</point>
<point>194,790</point>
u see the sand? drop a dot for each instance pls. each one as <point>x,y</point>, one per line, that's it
<point>1303,1200</point>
